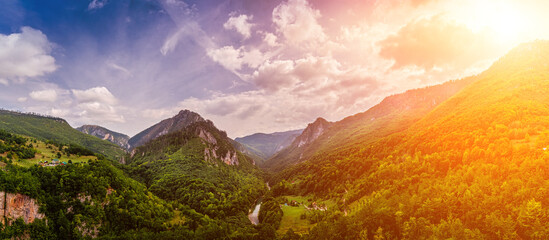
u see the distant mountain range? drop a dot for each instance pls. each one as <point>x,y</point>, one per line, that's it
<point>265,145</point>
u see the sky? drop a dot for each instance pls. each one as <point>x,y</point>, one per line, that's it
<point>249,66</point>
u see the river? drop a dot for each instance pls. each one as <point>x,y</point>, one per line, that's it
<point>254,215</point>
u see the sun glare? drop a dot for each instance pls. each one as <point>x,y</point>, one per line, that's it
<point>506,20</point>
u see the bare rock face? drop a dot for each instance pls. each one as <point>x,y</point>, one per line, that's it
<point>312,132</point>
<point>212,151</point>
<point>19,206</point>
<point>230,158</point>
<point>106,134</point>
<point>207,136</point>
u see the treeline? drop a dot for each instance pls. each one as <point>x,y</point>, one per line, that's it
<point>31,114</point>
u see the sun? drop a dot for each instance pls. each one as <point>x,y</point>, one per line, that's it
<point>506,21</point>
<point>504,18</point>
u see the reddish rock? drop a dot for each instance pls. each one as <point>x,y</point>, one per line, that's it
<point>19,206</point>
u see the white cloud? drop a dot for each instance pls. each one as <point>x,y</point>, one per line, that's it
<point>22,99</point>
<point>49,95</point>
<point>25,55</point>
<point>275,75</point>
<point>59,112</point>
<point>4,82</point>
<point>187,29</point>
<point>297,21</point>
<point>125,72</point>
<point>270,39</point>
<point>171,42</point>
<point>302,74</point>
<point>241,24</point>
<point>96,94</point>
<point>96,105</point>
<point>228,57</point>
<point>97,4</point>
<point>233,59</point>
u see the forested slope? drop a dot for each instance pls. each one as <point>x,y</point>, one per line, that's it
<point>472,168</point>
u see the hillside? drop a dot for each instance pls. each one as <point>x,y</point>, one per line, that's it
<point>265,145</point>
<point>394,114</point>
<point>183,119</point>
<point>192,185</point>
<point>197,166</point>
<point>471,168</point>
<point>293,153</point>
<point>80,196</point>
<point>106,134</point>
<point>56,129</point>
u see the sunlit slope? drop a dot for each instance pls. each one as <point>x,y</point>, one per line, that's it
<point>56,129</point>
<point>394,114</point>
<point>475,167</point>
<point>504,112</point>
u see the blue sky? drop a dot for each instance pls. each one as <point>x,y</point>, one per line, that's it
<point>250,66</point>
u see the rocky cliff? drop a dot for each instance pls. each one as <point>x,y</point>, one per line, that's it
<point>212,151</point>
<point>312,132</point>
<point>15,205</point>
<point>106,134</point>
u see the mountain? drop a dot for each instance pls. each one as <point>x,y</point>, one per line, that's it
<point>472,167</point>
<point>183,119</point>
<point>198,167</point>
<point>394,114</point>
<point>187,184</point>
<point>294,152</point>
<point>265,145</point>
<point>80,197</point>
<point>55,129</point>
<point>106,134</point>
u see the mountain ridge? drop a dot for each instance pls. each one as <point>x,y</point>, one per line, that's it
<point>183,119</point>
<point>117,138</point>
<point>56,129</point>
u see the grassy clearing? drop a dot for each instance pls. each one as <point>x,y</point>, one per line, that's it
<point>48,153</point>
<point>292,215</point>
<point>292,219</point>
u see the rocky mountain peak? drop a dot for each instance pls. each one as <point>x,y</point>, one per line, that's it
<point>183,119</point>
<point>312,132</point>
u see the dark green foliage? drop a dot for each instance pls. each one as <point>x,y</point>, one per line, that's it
<point>78,150</point>
<point>216,195</point>
<point>16,145</point>
<point>270,212</point>
<point>74,197</point>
